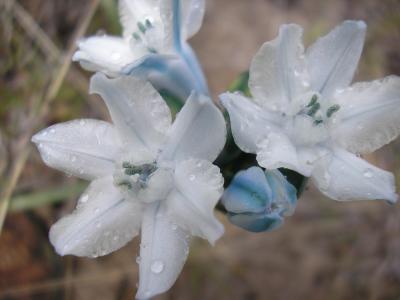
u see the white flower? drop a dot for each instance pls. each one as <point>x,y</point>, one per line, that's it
<point>153,45</point>
<point>145,172</point>
<point>304,115</point>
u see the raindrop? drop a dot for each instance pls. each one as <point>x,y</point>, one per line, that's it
<point>199,165</point>
<point>157,266</point>
<point>73,158</point>
<point>116,238</point>
<point>52,130</point>
<point>82,122</point>
<point>96,210</point>
<point>138,259</point>
<point>174,226</point>
<point>368,173</point>
<point>192,177</point>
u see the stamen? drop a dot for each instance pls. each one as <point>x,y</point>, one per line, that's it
<point>313,101</point>
<point>148,23</point>
<point>318,121</point>
<point>136,36</point>
<point>141,27</point>
<point>152,50</point>
<point>313,110</point>
<point>331,110</point>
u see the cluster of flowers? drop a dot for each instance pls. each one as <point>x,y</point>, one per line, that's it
<point>156,176</point>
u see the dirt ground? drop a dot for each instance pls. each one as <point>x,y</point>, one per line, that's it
<point>327,250</point>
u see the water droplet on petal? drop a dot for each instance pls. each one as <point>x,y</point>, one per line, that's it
<point>138,259</point>
<point>192,177</point>
<point>174,226</point>
<point>96,210</point>
<point>52,130</point>
<point>82,122</point>
<point>157,266</point>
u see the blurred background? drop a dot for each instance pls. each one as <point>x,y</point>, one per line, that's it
<point>327,250</point>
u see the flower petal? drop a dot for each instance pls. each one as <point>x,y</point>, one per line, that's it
<point>199,131</point>
<point>277,72</point>
<point>199,185</point>
<point>84,148</point>
<point>343,176</point>
<point>332,60</point>
<point>167,72</point>
<point>163,252</point>
<point>249,123</point>
<point>107,54</point>
<point>192,16</point>
<point>137,109</point>
<point>248,192</point>
<point>256,222</point>
<point>277,151</point>
<point>368,117</point>
<point>102,222</point>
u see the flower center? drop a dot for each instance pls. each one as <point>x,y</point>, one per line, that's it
<point>309,126</point>
<point>145,182</point>
<point>146,37</point>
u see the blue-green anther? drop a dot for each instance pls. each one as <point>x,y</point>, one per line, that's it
<point>141,27</point>
<point>152,50</point>
<point>313,110</point>
<point>136,36</point>
<point>318,121</point>
<point>148,23</point>
<point>313,101</point>
<point>331,110</point>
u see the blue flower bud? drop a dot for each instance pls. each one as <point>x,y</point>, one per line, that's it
<point>258,201</point>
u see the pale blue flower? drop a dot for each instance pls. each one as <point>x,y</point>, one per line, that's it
<point>304,115</point>
<point>258,201</point>
<point>153,46</point>
<point>146,174</point>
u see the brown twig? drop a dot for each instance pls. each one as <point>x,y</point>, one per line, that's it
<point>37,114</point>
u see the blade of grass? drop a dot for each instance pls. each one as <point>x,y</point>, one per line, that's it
<point>49,196</point>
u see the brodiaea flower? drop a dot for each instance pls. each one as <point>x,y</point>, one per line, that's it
<point>145,173</point>
<point>305,117</point>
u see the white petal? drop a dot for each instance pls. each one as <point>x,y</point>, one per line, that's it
<point>343,176</point>
<point>138,111</point>
<point>199,186</point>
<point>133,11</point>
<point>163,252</point>
<point>192,16</point>
<point>368,117</point>
<point>102,222</point>
<point>249,123</point>
<point>277,151</point>
<point>199,131</point>
<point>332,60</point>
<point>277,72</point>
<point>85,148</point>
<point>107,54</point>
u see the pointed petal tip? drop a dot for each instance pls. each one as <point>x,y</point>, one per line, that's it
<point>357,23</point>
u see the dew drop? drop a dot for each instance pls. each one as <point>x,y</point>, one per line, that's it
<point>157,266</point>
<point>52,130</point>
<point>174,226</point>
<point>138,259</point>
<point>192,177</point>
<point>73,158</point>
<point>82,122</point>
<point>116,238</point>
